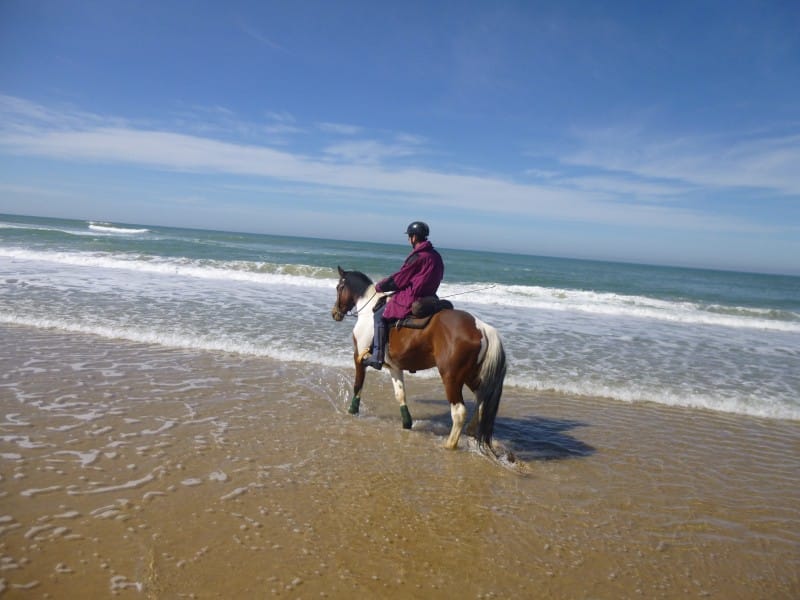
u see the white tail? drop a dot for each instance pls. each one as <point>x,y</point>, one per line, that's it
<point>493,373</point>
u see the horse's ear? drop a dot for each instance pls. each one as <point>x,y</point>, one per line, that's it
<point>341,271</point>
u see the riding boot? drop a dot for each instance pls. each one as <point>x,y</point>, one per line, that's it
<point>378,347</point>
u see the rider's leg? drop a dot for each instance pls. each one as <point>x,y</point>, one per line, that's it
<point>379,341</point>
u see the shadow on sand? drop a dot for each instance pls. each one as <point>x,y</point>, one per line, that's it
<point>540,438</point>
<point>528,438</point>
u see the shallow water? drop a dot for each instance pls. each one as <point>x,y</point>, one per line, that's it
<point>724,341</point>
<point>145,470</point>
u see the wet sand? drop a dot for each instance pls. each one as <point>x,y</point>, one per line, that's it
<point>139,471</point>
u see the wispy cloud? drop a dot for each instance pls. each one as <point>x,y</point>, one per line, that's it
<point>340,128</point>
<point>21,114</point>
<point>371,151</point>
<point>257,35</point>
<point>383,168</point>
<point>281,124</point>
<point>221,122</point>
<point>767,162</point>
<point>624,185</point>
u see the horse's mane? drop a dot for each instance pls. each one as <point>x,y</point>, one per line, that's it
<point>358,282</point>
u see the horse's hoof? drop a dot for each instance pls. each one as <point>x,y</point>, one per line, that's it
<point>406,416</point>
<point>448,443</point>
<point>354,405</point>
<point>488,450</point>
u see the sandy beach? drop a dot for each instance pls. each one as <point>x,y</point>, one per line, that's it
<point>140,471</point>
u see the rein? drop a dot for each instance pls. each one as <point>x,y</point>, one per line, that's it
<point>488,287</point>
<point>354,313</point>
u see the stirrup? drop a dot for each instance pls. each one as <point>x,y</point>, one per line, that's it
<point>368,360</point>
<point>373,362</point>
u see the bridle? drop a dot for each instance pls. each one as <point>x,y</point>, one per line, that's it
<point>338,306</point>
<point>350,311</point>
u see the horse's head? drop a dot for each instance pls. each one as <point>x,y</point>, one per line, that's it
<point>351,287</point>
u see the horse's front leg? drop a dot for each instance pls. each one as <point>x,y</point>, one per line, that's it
<point>400,395</point>
<point>358,383</point>
<point>362,338</point>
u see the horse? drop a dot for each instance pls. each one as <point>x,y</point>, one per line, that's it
<point>464,349</point>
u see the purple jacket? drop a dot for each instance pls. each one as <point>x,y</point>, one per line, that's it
<point>420,276</point>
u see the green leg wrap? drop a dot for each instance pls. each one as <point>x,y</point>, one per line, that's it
<point>354,404</point>
<point>406,416</point>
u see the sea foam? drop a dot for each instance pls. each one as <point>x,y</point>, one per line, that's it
<point>177,340</point>
<point>512,296</point>
<point>106,228</point>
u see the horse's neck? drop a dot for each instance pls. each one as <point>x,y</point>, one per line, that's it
<point>366,303</point>
<point>368,300</point>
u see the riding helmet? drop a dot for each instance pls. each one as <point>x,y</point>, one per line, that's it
<point>419,229</point>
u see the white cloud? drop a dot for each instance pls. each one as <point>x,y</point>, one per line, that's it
<point>281,123</point>
<point>20,114</point>
<point>368,151</point>
<point>642,190</point>
<point>340,128</point>
<point>281,117</point>
<point>767,162</point>
<point>257,35</point>
<point>363,168</point>
<point>173,151</point>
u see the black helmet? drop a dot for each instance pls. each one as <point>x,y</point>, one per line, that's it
<point>419,229</point>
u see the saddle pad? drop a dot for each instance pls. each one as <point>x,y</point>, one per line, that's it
<point>428,306</point>
<point>412,322</point>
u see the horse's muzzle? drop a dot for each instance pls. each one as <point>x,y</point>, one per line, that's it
<point>337,314</point>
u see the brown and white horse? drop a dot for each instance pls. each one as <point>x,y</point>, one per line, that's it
<point>466,351</point>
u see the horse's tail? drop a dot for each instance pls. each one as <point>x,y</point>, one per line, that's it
<point>492,374</point>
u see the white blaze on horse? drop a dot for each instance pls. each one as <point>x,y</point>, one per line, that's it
<point>466,351</point>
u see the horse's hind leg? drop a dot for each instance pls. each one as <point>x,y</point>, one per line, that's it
<point>458,412</point>
<point>472,428</point>
<point>400,395</point>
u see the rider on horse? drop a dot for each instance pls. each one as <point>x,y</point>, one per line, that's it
<point>420,276</point>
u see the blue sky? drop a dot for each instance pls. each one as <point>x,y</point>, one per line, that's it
<point>635,131</point>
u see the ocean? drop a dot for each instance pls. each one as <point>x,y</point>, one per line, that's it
<point>703,339</point>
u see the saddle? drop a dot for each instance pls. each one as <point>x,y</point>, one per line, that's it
<point>421,312</point>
